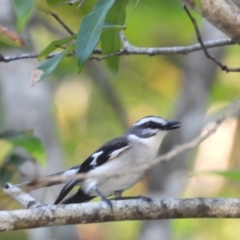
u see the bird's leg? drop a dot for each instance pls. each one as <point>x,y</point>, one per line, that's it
<point>117,195</point>
<point>103,198</point>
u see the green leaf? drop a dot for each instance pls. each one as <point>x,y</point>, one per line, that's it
<point>31,144</point>
<point>231,175</point>
<point>10,38</point>
<point>110,40</point>
<point>54,45</point>
<point>27,141</point>
<point>23,12</point>
<point>49,66</point>
<point>54,3</point>
<point>10,167</point>
<point>90,31</point>
<point>42,6</point>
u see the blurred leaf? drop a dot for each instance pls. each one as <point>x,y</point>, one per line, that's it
<point>31,144</point>
<point>23,10</point>
<point>10,38</point>
<point>42,6</point>
<point>49,66</point>
<point>90,31</point>
<point>10,167</point>
<point>231,175</point>
<point>53,3</point>
<point>54,45</point>
<point>13,133</point>
<point>110,40</point>
<point>27,141</point>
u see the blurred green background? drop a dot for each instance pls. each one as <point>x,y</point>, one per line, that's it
<point>94,106</point>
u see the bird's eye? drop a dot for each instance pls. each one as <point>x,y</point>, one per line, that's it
<point>153,125</point>
<point>150,124</point>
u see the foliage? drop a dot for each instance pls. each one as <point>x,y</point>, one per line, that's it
<point>23,11</point>
<point>13,160</point>
<point>92,27</point>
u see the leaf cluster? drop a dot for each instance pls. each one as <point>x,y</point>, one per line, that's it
<point>101,25</point>
<point>13,159</point>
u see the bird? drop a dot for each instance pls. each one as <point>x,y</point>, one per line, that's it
<point>138,146</point>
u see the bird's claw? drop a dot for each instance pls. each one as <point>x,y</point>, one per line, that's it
<point>108,202</point>
<point>146,199</point>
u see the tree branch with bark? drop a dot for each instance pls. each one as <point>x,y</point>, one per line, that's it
<point>223,14</point>
<point>132,50</point>
<point>56,215</point>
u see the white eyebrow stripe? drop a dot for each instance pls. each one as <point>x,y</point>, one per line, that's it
<point>148,119</point>
<point>118,151</point>
<point>95,157</point>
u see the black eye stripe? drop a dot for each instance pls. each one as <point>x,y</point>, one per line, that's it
<point>152,125</point>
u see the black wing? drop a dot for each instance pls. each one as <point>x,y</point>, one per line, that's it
<point>106,152</point>
<point>66,189</point>
<point>103,154</point>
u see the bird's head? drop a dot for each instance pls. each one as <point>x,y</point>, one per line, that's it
<point>152,125</point>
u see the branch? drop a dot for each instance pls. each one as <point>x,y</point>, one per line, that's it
<point>123,210</point>
<point>132,50</point>
<point>207,54</point>
<point>223,14</point>
<point>52,180</point>
<point>24,199</point>
<point>58,19</point>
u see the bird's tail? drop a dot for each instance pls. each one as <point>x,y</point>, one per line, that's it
<point>48,181</point>
<point>78,197</point>
<point>40,182</point>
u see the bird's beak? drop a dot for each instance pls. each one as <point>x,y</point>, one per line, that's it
<point>172,125</point>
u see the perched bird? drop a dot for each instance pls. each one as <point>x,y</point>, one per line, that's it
<point>138,146</point>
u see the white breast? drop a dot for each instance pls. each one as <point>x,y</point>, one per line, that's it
<point>138,154</point>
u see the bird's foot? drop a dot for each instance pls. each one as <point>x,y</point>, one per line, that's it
<point>146,199</point>
<point>103,198</point>
<point>107,201</point>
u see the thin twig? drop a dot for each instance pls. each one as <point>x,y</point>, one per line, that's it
<point>207,54</point>
<point>54,15</point>
<point>134,51</point>
<point>52,180</point>
<point>124,40</point>
<point>81,3</point>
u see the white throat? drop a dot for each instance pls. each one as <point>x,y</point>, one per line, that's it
<point>153,143</point>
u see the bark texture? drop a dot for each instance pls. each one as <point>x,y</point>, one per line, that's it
<point>223,14</point>
<point>55,215</point>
